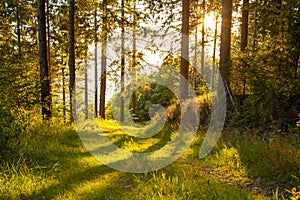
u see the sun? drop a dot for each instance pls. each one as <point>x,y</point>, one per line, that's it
<point>210,20</point>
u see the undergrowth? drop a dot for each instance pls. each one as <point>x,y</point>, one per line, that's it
<point>52,163</point>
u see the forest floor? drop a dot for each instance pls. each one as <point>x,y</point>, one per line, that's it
<point>54,164</point>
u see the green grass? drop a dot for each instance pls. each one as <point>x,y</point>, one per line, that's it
<point>54,164</point>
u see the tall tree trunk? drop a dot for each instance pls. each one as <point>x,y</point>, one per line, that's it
<point>96,63</point>
<point>86,90</point>
<point>72,60</point>
<point>203,38</point>
<point>225,60</point>
<point>103,61</point>
<point>297,62</point>
<point>49,53</point>
<point>45,87</point>
<point>184,62</point>
<point>254,26</point>
<point>244,32</point>
<point>122,62</point>
<point>134,62</point>
<point>214,51</point>
<point>64,89</point>
<point>244,37</point>
<point>19,29</point>
<point>193,74</point>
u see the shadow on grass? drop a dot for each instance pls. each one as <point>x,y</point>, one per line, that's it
<point>69,183</point>
<point>76,168</point>
<point>63,160</point>
<point>269,163</point>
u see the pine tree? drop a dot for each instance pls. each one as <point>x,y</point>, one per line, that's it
<point>45,85</point>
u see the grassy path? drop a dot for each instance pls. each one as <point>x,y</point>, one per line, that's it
<point>55,165</point>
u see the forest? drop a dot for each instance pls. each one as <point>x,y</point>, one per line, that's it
<point>142,99</point>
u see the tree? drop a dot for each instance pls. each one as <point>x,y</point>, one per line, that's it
<point>122,60</point>
<point>244,29</point>
<point>214,50</point>
<point>49,52</point>
<point>225,57</point>
<point>103,60</point>
<point>203,38</point>
<point>18,29</point>
<point>86,89</point>
<point>226,40</point>
<point>134,61</point>
<point>45,85</point>
<point>72,60</point>
<point>96,63</point>
<point>184,62</point>
<point>244,35</point>
<point>63,90</point>
<point>271,91</point>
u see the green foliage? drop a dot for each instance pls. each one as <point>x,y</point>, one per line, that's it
<point>229,162</point>
<point>265,78</point>
<point>10,130</point>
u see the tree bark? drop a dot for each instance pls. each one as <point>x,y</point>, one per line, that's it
<point>122,62</point>
<point>184,62</point>
<point>72,60</point>
<point>19,29</point>
<point>45,87</point>
<point>244,32</point>
<point>203,39</point>
<point>193,73</point>
<point>244,37</point>
<point>96,63</point>
<point>134,62</point>
<point>225,60</point>
<point>49,53</point>
<point>214,51</point>
<point>86,90</point>
<point>254,26</point>
<point>103,61</point>
<point>64,90</point>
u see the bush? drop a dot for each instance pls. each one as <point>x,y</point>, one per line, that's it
<point>10,131</point>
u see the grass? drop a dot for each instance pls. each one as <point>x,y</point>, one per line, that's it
<point>54,164</point>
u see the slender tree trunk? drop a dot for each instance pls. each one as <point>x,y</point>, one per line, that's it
<point>254,26</point>
<point>195,60</point>
<point>203,39</point>
<point>45,87</point>
<point>72,60</point>
<point>244,37</point>
<point>184,62</point>
<point>96,64</point>
<point>103,61</point>
<point>214,51</point>
<point>64,89</point>
<point>122,63</point>
<point>86,91</point>
<point>134,62</point>
<point>244,32</point>
<point>49,53</point>
<point>19,29</point>
<point>297,61</point>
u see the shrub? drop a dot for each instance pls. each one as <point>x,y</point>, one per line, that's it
<point>10,131</point>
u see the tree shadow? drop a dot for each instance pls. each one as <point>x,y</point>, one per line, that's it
<point>270,164</point>
<point>68,183</point>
